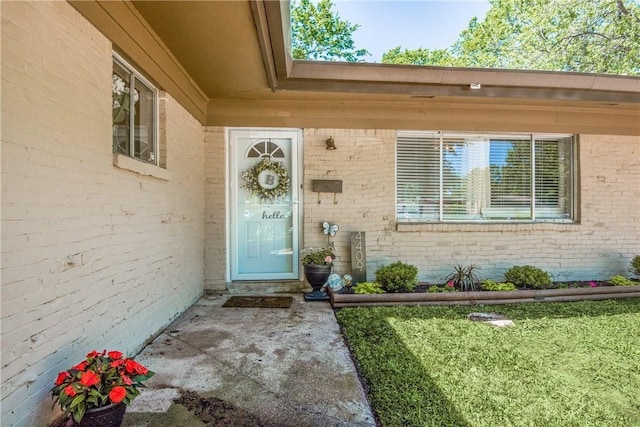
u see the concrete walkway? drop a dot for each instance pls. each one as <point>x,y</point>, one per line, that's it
<point>288,367</point>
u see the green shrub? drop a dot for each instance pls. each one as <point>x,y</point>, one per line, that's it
<point>445,288</point>
<point>464,277</point>
<point>621,281</point>
<point>368,288</point>
<point>397,277</point>
<point>489,285</point>
<point>635,266</point>
<point>527,276</point>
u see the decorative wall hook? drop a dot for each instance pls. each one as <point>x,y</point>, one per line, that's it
<point>327,186</point>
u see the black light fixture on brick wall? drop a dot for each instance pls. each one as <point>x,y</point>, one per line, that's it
<point>331,144</point>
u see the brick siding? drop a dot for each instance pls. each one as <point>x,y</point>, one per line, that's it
<point>600,245</point>
<point>215,212</point>
<point>93,256</point>
<point>101,256</point>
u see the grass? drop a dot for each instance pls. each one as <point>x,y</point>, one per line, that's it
<point>562,364</point>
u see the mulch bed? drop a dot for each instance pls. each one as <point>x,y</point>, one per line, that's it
<point>423,287</point>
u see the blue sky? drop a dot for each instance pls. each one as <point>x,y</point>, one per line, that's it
<point>385,24</point>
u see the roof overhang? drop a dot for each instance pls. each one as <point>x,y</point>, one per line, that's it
<point>272,20</point>
<point>229,64</point>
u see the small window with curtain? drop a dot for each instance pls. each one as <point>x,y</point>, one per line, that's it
<point>448,176</point>
<point>134,113</point>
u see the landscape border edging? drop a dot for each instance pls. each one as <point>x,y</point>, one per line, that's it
<point>484,297</point>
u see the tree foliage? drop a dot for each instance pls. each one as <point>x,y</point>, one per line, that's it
<point>318,33</point>
<point>420,56</point>
<point>599,36</point>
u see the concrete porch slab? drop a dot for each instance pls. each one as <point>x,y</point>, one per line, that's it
<point>288,367</point>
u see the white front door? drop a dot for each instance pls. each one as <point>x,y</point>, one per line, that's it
<point>264,204</point>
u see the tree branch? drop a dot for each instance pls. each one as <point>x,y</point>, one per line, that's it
<point>622,10</point>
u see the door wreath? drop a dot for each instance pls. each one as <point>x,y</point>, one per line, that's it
<point>268,180</point>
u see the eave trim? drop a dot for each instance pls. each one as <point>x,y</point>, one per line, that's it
<point>414,80</point>
<point>133,37</point>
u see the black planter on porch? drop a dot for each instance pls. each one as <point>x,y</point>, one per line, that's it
<point>106,416</point>
<point>317,276</point>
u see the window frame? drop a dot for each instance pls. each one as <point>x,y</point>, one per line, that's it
<point>571,182</point>
<point>135,75</point>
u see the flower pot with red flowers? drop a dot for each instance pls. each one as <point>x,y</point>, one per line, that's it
<point>95,392</point>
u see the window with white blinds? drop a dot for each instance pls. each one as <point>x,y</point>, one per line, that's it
<point>444,176</point>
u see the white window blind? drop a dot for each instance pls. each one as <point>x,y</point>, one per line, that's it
<point>483,177</point>
<point>418,176</point>
<point>553,178</point>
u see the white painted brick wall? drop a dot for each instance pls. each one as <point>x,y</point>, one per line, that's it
<point>215,213</point>
<point>601,245</point>
<point>93,256</point>
<point>363,161</point>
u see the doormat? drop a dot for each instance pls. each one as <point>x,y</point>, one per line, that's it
<point>259,302</point>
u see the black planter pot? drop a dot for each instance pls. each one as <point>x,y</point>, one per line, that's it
<point>317,276</point>
<point>107,416</point>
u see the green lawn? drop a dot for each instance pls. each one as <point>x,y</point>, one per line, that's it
<point>562,364</point>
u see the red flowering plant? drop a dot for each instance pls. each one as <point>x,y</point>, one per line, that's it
<point>100,380</point>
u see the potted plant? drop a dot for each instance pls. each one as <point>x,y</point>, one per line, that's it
<point>95,392</point>
<point>317,268</point>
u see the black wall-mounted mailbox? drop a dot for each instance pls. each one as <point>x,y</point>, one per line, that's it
<point>327,185</point>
